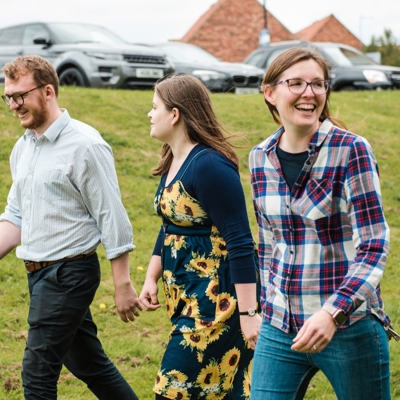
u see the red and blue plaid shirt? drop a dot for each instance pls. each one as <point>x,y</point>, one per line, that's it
<point>325,243</point>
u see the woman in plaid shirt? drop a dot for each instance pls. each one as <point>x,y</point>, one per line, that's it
<point>323,244</point>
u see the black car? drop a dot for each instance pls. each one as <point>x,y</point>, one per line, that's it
<point>217,75</point>
<point>85,55</point>
<point>350,68</point>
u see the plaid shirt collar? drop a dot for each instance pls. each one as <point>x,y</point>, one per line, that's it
<point>316,141</point>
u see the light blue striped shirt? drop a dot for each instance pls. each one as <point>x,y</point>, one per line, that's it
<point>65,196</point>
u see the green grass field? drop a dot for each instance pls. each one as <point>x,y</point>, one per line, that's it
<point>121,118</point>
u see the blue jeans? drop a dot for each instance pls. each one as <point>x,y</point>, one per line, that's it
<point>61,331</point>
<point>356,363</point>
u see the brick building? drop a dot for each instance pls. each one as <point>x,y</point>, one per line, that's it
<point>230,30</point>
<point>329,29</point>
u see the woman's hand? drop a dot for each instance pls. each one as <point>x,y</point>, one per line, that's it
<point>251,328</point>
<point>315,334</point>
<point>149,295</point>
<point>247,299</point>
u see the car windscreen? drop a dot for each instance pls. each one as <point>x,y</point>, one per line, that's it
<point>187,53</point>
<point>346,57</point>
<point>78,33</point>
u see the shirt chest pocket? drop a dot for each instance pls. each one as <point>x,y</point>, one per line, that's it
<point>316,200</point>
<point>52,185</point>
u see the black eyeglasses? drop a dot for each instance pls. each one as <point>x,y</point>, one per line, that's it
<point>299,86</point>
<point>19,97</point>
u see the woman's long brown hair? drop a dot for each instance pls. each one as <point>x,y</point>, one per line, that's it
<point>190,96</point>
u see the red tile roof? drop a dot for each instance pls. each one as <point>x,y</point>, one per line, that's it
<point>230,30</point>
<point>329,29</point>
<point>200,22</point>
<point>311,31</point>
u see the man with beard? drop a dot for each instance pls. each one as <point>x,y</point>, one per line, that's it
<point>64,201</point>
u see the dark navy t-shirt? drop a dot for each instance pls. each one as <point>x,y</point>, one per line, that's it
<point>291,164</point>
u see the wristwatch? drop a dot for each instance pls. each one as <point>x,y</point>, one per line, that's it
<point>251,312</point>
<point>339,317</point>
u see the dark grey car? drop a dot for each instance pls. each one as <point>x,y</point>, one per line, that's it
<point>350,68</point>
<point>217,75</point>
<point>85,55</point>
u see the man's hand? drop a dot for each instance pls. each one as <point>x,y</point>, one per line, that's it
<point>125,296</point>
<point>127,302</point>
<point>315,334</point>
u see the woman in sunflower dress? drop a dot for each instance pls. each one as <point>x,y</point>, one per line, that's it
<point>204,252</point>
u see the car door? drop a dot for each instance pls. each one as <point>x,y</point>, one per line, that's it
<point>274,54</point>
<point>257,59</point>
<point>37,31</point>
<point>10,46</point>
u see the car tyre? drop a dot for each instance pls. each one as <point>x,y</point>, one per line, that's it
<point>348,88</point>
<point>72,77</point>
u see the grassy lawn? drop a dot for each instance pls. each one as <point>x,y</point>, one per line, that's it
<point>121,117</point>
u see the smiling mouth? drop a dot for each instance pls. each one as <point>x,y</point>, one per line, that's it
<point>21,113</point>
<point>306,107</point>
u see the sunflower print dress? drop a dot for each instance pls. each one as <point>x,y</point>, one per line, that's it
<point>207,356</point>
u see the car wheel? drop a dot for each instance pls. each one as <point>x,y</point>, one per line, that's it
<point>348,88</point>
<point>72,77</point>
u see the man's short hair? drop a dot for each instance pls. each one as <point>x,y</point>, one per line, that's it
<point>42,70</point>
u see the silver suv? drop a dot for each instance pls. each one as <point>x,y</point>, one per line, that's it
<point>85,55</point>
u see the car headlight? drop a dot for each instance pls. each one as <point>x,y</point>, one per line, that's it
<point>206,75</point>
<point>374,76</point>
<point>105,56</point>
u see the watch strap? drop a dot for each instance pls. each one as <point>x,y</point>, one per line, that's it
<point>250,312</point>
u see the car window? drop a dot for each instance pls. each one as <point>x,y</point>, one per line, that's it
<point>256,59</point>
<point>35,32</point>
<point>346,57</point>
<point>275,54</point>
<point>11,36</point>
<point>76,33</point>
<point>187,53</point>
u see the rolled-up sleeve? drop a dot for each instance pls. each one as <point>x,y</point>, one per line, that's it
<point>100,191</point>
<point>11,212</point>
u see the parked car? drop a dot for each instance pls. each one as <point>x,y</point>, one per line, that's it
<point>350,68</point>
<point>217,75</point>
<point>85,55</point>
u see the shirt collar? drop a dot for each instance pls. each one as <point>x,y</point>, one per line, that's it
<point>316,141</point>
<point>54,130</point>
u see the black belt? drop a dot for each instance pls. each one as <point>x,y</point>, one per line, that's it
<point>187,230</point>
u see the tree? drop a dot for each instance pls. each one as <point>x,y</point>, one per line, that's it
<point>388,46</point>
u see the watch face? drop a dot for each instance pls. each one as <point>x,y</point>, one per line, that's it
<point>252,312</point>
<point>340,318</point>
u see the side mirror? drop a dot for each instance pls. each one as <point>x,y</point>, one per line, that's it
<point>40,40</point>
